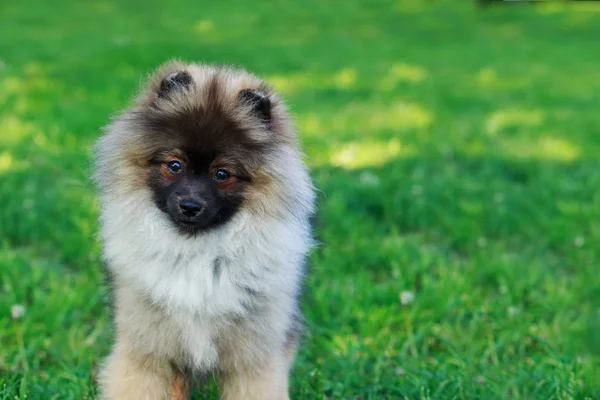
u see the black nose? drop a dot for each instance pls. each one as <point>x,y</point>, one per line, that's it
<point>190,208</point>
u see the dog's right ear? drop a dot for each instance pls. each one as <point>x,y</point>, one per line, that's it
<point>176,81</point>
<point>259,101</point>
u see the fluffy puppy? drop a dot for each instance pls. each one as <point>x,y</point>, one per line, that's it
<point>205,224</point>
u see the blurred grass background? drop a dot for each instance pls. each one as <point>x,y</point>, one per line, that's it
<point>457,153</point>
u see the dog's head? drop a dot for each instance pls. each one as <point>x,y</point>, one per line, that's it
<point>206,142</point>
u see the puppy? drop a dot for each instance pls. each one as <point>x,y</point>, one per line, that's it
<point>205,208</point>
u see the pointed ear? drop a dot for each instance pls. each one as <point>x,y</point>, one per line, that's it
<point>175,81</point>
<point>259,101</point>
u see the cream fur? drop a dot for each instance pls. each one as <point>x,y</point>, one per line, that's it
<point>190,301</point>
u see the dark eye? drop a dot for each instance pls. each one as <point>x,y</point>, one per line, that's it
<point>174,167</point>
<point>221,175</point>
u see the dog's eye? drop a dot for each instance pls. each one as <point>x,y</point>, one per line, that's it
<point>221,175</point>
<point>175,167</point>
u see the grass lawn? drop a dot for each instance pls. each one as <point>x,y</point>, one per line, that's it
<point>457,154</point>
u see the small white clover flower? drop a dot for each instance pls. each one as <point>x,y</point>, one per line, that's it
<point>512,311</point>
<point>407,297</point>
<point>369,179</point>
<point>417,190</point>
<point>17,311</point>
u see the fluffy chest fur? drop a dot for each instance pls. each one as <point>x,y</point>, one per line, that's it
<point>188,290</point>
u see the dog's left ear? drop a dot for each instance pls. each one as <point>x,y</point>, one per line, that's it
<point>175,81</point>
<point>259,101</point>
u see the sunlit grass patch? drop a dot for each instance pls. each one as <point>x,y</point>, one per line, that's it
<point>395,116</point>
<point>24,91</point>
<point>543,148</point>
<point>34,79</point>
<point>14,130</point>
<point>6,162</point>
<point>365,120</point>
<point>502,119</point>
<point>565,6</point>
<point>402,72</point>
<point>369,153</point>
<point>204,26</point>
<point>491,79</point>
<point>344,79</point>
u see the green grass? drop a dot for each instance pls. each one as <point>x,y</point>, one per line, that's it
<point>457,154</point>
